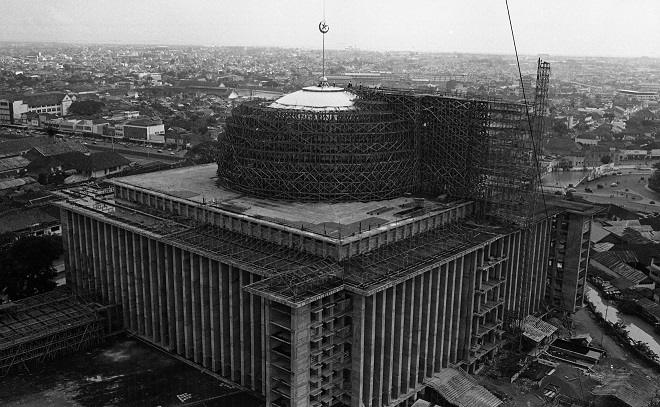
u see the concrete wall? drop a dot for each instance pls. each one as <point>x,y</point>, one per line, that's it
<point>378,351</point>
<point>186,303</point>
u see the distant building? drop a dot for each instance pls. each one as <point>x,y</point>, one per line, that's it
<point>587,138</point>
<point>15,109</point>
<point>142,130</point>
<point>30,222</point>
<point>637,95</point>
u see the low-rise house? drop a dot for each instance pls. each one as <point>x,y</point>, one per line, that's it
<point>626,276</point>
<point>587,139</point>
<point>14,148</point>
<point>11,185</point>
<point>95,165</point>
<point>625,390</point>
<point>51,149</point>
<point>11,167</point>
<point>30,222</point>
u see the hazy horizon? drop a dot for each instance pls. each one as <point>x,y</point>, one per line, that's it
<point>588,28</point>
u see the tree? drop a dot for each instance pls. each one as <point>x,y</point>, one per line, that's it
<point>26,265</point>
<point>86,107</point>
<point>654,179</point>
<point>606,159</point>
<point>204,153</point>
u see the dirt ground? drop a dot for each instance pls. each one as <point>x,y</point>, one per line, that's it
<point>572,381</point>
<point>122,372</point>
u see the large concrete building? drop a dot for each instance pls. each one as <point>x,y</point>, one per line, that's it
<point>14,110</point>
<point>328,259</point>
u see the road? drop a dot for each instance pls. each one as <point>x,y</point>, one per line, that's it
<point>138,154</point>
<point>630,193</point>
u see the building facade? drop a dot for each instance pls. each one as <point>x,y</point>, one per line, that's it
<point>14,110</point>
<point>196,279</point>
<point>344,290</point>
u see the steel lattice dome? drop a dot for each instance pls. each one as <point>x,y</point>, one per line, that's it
<point>321,143</point>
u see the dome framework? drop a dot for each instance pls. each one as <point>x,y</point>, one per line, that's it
<point>359,152</point>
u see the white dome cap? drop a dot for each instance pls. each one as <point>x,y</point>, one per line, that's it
<point>316,98</point>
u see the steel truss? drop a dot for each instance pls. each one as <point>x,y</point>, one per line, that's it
<point>46,326</point>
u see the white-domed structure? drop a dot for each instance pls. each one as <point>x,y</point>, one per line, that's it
<point>317,98</point>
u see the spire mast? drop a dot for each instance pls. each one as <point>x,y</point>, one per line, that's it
<point>323,27</point>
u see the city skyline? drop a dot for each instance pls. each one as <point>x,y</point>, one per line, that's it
<point>588,28</point>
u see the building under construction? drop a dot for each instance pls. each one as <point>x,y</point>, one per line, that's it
<point>348,246</point>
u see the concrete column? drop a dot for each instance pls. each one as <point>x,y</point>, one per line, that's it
<point>146,285</point>
<point>215,316</point>
<point>265,305</point>
<point>205,311</point>
<point>226,321</point>
<point>443,279</point>
<point>154,289</point>
<point>300,322</point>
<point>67,242</point>
<point>196,303</point>
<point>234,322</point>
<point>102,259</point>
<point>357,372</point>
<point>425,345</point>
<point>388,350</point>
<point>123,277</point>
<point>185,264</point>
<point>171,295</point>
<point>409,311</point>
<point>129,256</point>
<point>400,317</point>
<point>369,348</point>
<point>434,302</point>
<point>450,314</point>
<point>418,316</point>
<point>458,302</point>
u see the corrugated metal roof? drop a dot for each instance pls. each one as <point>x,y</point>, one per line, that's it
<point>18,182</point>
<point>603,247</point>
<point>632,389</point>
<point>615,262</point>
<point>458,388</point>
<point>536,329</point>
<point>13,163</point>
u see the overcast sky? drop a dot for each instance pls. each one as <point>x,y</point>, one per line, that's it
<point>555,27</point>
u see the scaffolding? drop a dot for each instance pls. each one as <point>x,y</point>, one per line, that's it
<point>392,142</point>
<point>46,326</point>
<point>330,156</point>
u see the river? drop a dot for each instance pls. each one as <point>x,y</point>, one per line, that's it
<point>637,328</point>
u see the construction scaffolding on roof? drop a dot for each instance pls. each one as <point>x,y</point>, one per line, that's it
<point>387,143</point>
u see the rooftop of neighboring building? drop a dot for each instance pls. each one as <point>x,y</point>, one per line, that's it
<point>25,219</point>
<point>96,161</point>
<point>44,99</point>
<point>59,148</point>
<point>143,122</point>
<point>16,147</point>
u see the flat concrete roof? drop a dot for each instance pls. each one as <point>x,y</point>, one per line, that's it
<point>199,184</point>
